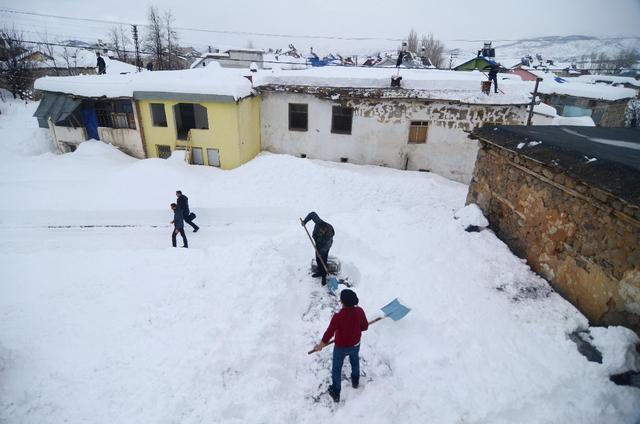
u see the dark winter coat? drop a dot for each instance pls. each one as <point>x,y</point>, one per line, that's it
<point>493,73</point>
<point>178,220</point>
<point>322,231</point>
<point>183,205</point>
<point>102,66</point>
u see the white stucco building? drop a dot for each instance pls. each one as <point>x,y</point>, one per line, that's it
<point>354,115</point>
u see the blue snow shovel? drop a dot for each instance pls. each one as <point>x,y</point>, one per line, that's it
<point>394,310</point>
<point>332,281</point>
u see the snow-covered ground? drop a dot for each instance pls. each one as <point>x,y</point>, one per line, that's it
<point>101,321</point>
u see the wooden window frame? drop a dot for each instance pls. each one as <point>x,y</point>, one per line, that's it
<point>418,132</point>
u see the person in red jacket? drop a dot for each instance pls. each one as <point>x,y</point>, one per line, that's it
<point>347,325</point>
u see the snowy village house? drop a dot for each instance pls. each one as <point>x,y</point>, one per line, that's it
<point>568,200</point>
<point>211,116</point>
<point>355,115</point>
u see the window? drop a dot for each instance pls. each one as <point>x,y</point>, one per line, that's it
<point>418,132</point>
<point>213,157</point>
<point>298,117</point>
<point>164,152</point>
<point>341,120</point>
<point>115,114</point>
<point>190,116</point>
<point>158,115</point>
<point>196,156</point>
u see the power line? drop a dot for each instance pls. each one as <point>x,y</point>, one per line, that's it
<point>213,31</point>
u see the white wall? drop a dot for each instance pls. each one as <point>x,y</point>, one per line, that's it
<point>127,140</point>
<point>380,132</point>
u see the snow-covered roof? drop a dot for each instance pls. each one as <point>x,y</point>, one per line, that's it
<point>612,79</point>
<point>211,81</point>
<point>74,57</point>
<point>590,91</point>
<point>545,109</point>
<point>422,83</point>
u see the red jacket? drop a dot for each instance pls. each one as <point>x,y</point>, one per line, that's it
<point>347,324</point>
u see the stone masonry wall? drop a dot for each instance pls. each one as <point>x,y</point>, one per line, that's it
<point>584,241</point>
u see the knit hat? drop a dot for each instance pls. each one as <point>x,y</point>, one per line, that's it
<point>348,297</point>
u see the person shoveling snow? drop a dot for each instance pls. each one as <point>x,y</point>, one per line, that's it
<point>323,239</point>
<point>347,325</point>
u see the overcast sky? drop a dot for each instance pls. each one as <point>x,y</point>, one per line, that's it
<point>448,20</point>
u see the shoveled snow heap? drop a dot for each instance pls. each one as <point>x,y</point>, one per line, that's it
<point>206,80</point>
<point>103,322</point>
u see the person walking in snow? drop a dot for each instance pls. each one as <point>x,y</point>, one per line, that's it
<point>323,237</point>
<point>347,325</point>
<point>102,66</point>
<point>178,226</point>
<point>183,205</point>
<point>493,76</point>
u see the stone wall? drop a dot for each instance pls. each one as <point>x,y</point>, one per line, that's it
<point>584,241</point>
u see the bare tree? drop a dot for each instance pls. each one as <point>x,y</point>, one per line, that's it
<point>49,49</point>
<point>412,41</point>
<point>154,41</point>
<point>16,71</point>
<point>70,57</point>
<point>120,42</point>
<point>172,40</point>
<point>433,50</point>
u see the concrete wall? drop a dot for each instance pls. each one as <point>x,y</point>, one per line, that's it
<point>380,131</point>
<point>66,137</point>
<point>584,241</point>
<point>125,139</point>
<point>232,130</point>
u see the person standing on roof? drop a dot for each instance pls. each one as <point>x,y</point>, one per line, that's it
<point>493,75</point>
<point>102,66</point>
<point>323,238</point>
<point>183,205</point>
<point>347,325</point>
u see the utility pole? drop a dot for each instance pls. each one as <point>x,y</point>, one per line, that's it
<point>134,28</point>
<point>533,101</point>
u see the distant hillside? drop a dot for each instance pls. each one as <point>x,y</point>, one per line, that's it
<point>563,49</point>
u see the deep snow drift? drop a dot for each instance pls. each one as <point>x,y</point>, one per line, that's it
<point>102,322</point>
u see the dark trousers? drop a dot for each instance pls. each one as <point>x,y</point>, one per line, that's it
<point>339,353</point>
<point>190,222</point>
<point>495,83</point>
<point>175,233</point>
<point>324,254</point>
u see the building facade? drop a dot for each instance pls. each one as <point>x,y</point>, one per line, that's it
<point>365,126</point>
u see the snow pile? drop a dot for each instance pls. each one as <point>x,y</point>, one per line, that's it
<point>471,218</point>
<point>207,80</point>
<point>103,322</point>
<point>426,83</point>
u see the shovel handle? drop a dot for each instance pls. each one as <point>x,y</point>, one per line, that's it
<point>314,247</point>
<point>373,321</point>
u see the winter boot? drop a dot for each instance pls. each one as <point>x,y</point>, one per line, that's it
<point>335,396</point>
<point>316,275</point>
<point>324,280</point>
<point>355,382</point>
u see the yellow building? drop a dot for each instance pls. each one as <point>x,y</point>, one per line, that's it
<point>215,130</point>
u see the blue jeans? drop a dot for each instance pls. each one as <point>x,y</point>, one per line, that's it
<point>339,353</point>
